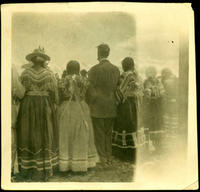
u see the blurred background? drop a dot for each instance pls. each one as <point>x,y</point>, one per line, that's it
<point>149,39</point>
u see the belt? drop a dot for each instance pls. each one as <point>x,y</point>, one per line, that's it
<point>37,93</point>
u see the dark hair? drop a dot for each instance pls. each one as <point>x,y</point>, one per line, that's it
<point>166,72</point>
<point>64,74</point>
<point>34,60</point>
<point>73,67</point>
<point>83,72</point>
<point>103,50</point>
<point>128,63</point>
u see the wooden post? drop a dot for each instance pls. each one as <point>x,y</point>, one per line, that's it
<point>183,83</point>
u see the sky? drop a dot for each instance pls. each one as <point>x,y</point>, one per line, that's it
<point>149,39</point>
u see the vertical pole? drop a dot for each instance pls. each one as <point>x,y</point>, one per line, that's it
<point>183,83</point>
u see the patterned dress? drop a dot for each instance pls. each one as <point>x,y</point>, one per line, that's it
<point>153,109</point>
<point>37,132</point>
<point>77,151</point>
<point>170,115</point>
<point>127,133</point>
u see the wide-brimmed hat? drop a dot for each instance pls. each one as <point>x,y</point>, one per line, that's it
<point>38,52</point>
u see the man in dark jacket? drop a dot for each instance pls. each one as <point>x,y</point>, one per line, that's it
<point>103,79</point>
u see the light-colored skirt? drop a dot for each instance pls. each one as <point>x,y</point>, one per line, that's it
<point>77,151</point>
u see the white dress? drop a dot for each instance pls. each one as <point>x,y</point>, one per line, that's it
<point>77,151</point>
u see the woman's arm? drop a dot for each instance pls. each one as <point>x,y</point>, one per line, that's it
<point>54,89</point>
<point>18,89</point>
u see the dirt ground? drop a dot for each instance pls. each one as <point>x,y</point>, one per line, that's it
<point>148,161</point>
<point>118,172</point>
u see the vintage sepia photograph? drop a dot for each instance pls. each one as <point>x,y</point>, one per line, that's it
<point>98,93</point>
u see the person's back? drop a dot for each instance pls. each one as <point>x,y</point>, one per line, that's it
<point>103,78</point>
<point>77,150</point>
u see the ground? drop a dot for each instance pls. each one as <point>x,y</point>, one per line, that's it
<point>150,165</point>
<point>118,172</point>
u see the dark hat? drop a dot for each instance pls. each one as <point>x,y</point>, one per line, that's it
<point>38,52</point>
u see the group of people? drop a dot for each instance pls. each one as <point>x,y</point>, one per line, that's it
<point>83,119</point>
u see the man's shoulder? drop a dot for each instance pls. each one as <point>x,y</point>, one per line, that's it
<point>93,68</point>
<point>107,64</point>
<point>114,67</point>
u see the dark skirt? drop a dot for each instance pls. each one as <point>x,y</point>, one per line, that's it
<point>37,137</point>
<point>126,136</point>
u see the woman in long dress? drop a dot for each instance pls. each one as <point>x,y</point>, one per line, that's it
<point>17,93</point>
<point>127,136</point>
<point>153,92</point>
<point>170,115</point>
<point>37,132</point>
<point>77,151</point>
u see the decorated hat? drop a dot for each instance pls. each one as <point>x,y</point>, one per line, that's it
<point>38,52</point>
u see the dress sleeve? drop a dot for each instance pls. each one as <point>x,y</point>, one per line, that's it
<point>139,86</point>
<point>66,89</point>
<point>161,89</point>
<point>147,88</point>
<point>18,89</point>
<point>54,88</point>
<point>84,86</point>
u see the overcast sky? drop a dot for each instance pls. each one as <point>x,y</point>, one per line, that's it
<point>150,39</point>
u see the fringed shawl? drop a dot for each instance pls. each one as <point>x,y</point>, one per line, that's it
<point>131,86</point>
<point>43,80</point>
